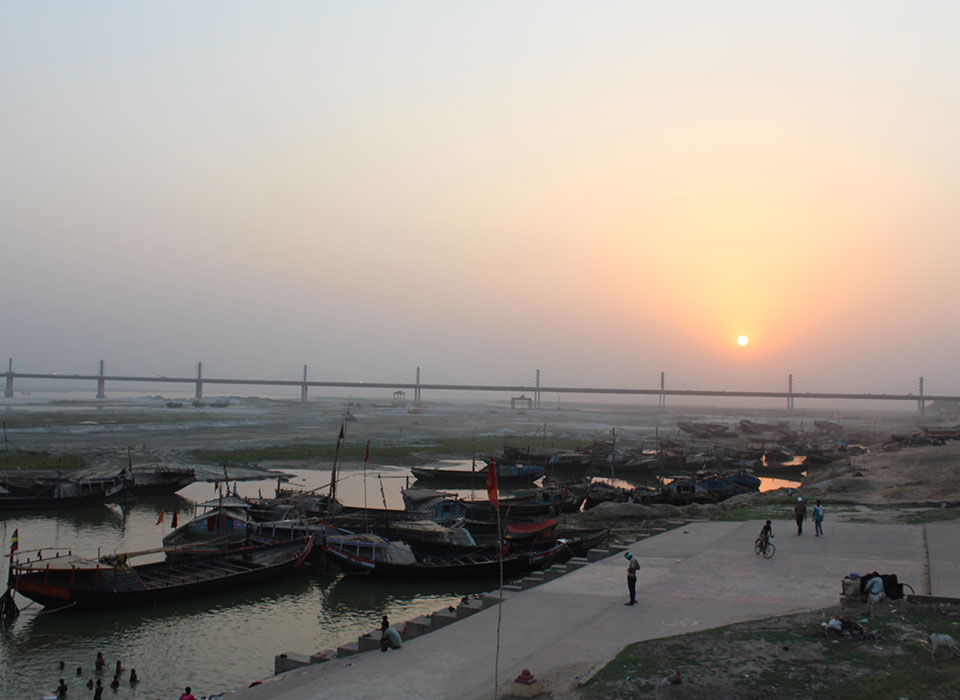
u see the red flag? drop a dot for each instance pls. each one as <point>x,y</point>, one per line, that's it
<point>492,491</point>
<point>366,454</point>
<point>160,519</point>
<point>15,541</point>
<point>173,520</point>
<point>340,437</point>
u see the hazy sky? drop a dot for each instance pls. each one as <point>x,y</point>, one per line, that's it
<point>602,190</point>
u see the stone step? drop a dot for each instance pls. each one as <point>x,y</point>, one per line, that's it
<point>576,563</point>
<point>288,661</point>
<point>322,656</point>
<point>442,618</point>
<point>597,554</point>
<point>468,608</point>
<point>369,641</point>
<point>348,650</point>
<point>417,627</point>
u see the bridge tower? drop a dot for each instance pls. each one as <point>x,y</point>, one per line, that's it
<point>8,389</point>
<point>303,387</point>
<point>101,384</point>
<point>790,392</point>
<point>199,392</point>
<point>921,404</point>
<point>536,393</point>
<point>416,390</point>
<point>663,384</point>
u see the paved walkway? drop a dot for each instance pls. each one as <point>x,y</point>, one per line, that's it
<point>695,577</point>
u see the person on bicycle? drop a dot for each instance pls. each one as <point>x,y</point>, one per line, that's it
<point>765,535</point>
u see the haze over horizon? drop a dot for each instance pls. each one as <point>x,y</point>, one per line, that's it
<point>602,192</point>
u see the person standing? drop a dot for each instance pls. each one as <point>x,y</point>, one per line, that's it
<point>800,514</point>
<point>633,566</point>
<point>818,518</point>
<point>98,693</point>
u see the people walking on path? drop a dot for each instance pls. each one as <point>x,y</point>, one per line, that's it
<point>818,518</point>
<point>800,514</point>
<point>633,566</point>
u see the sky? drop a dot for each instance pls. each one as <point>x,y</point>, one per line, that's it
<point>602,191</point>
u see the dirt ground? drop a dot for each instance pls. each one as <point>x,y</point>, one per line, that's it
<point>796,656</point>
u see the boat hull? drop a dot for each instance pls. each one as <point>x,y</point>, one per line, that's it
<point>55,584</point>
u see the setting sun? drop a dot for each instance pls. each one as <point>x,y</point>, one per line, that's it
<point>742,340</point>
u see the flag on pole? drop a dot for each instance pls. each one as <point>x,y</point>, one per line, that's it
<point>173,520</point>
<point>340,437</point>
<point>366,453</point>
<point>15,541</point>
<point>160,519</point>
<point>492,491</point>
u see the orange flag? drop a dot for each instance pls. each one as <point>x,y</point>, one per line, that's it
<point>160,519</point>
<point>173,520</point>
<point>493,492</point>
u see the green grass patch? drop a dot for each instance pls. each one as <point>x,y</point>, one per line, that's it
<point>932,515</point>
<point>65,462</point>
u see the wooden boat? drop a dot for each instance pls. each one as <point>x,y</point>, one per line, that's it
<point>218,526</point>
<point>510,473</point>
<point>479,563</point>
<point>26,492</point>
<point>66,581</point>
<point>141,481</point>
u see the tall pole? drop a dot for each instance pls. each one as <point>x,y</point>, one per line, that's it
<point>536,394</point>
<point>303,387</point>
<point>8,389</point>
<point>101,384</point>
<point>199,392</point>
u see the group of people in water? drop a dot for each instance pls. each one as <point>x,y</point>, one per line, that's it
<point>97,687</point>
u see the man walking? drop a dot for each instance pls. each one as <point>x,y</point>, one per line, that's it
<point>818,518</point>
<point>800,514</point>
<point>633,566</point>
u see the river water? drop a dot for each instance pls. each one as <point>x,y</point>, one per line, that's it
<point>214,643</point>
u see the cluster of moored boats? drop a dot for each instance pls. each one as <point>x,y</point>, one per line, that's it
<point>48,489</point>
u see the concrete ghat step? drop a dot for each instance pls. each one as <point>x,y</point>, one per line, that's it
<point>417,627</point>
<point>598,554</point>
<point>322,656</point>
<point>288,661</point>
<point>468,608</point>
<point>369,642</point>
<point>442,618</point>
<point>576,563</point>
<point>348,650</point>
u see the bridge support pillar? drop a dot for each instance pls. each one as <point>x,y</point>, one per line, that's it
<point>416,390</point>
<point>536,393</point>
<point>921,404</point>
<point>663,385</point>
<point>101,384</point>
<point>198,394</point>
<point>303,387</point>
<point>8,388</point>
<point>790,392</point>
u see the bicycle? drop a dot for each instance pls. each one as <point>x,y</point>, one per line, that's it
<point>765,547</point>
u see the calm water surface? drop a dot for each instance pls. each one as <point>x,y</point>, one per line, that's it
<point>213,643</point>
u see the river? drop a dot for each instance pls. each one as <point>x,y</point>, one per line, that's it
<point>214,643</point>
